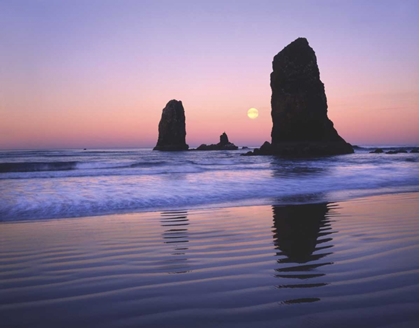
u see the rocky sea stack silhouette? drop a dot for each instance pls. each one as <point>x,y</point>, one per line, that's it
<point>299,107</point>
<point>224,144</point>
<point>172,128</point>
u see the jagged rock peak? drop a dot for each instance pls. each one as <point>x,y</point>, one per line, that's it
<point>300,59</point>
<point>224,140</point>
<point>172,130</point>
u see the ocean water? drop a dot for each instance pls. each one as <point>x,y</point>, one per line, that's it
<point>140,238</point>
<point>76,183</point>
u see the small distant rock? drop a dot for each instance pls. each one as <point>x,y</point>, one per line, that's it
<point>377,151</point>
<point>265,149</point>
<point>224,144</point>
<point>414,151</point>
<point>172,128</point>
<point>398,151</point>
<point>393,151</point>
<point>224,140</point>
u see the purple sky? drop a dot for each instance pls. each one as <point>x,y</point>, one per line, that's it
<point>98,73</point>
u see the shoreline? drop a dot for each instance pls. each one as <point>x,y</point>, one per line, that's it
<point>301,199</point>
<point>106,183</point>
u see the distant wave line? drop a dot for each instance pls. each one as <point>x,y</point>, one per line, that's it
<point>67,166</point>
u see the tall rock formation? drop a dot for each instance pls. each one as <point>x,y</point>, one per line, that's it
<point>299,107</point>
<point>172,128</point>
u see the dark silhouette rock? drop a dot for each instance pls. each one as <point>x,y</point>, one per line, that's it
<point>377,151</point>
<point>224,140</point>
<point>398,151</point>
<point>224,144</point>
<point>393,151</point>
<point>172,128</point>
<point>414,151</point>
<point>265,149</point>
<point>299,106</point>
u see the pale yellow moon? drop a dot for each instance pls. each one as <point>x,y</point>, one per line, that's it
<point>252,113</point>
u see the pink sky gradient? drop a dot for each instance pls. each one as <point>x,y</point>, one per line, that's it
<point>78,74</point>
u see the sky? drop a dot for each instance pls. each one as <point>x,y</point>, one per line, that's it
<point>97,73</point>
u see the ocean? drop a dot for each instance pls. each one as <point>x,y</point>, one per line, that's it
<point>76,183</point>
<point>141,238</point>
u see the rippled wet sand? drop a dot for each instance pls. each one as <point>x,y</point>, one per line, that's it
<point>348,264</point>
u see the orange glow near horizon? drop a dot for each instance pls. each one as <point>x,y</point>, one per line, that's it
<point>108,122</point>
<point>357,122</point>
<point>99,76</point>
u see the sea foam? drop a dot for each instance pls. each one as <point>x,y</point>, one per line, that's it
<point>85,184</point>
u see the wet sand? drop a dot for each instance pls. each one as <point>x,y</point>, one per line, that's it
<point>347,264</point>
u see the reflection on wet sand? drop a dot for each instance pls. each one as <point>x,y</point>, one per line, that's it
<point>302,237</point>
<point>176,236</point>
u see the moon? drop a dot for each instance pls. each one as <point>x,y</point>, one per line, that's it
<point>252,113</point>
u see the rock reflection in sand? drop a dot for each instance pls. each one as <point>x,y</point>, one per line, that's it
<point>302,237</point>
<point>176,236</point>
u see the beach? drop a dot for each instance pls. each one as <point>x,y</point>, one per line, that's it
<point>316,264</point>
<point>229,164</point>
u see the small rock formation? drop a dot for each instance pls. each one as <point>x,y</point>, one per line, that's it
<point>265,149</point>
<point>398,151</point>
<point>224,140</point>
<point>299,107</point>
<point>172,128</point>
<point>224,144</point>
<point>395,151</point>
<point>377,151</point>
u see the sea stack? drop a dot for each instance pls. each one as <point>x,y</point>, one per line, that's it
<point>172,128</point>
<point>299,107</point>
<point>224,144</point>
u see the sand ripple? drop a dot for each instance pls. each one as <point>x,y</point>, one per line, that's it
<point>347,264</point>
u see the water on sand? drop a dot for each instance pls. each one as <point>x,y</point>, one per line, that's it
<point>324,264</point>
